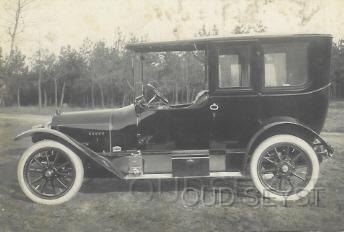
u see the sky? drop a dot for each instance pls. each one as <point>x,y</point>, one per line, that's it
<point>54,23</point>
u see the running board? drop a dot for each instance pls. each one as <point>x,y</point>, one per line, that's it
<point>170,176</point>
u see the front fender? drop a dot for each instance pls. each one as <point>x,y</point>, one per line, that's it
<point>56,135</point>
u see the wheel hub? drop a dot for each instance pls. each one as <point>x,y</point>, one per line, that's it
<point>48,173</point>
<point>285,168</point>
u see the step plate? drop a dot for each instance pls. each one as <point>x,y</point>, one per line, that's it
<point>170,176</point>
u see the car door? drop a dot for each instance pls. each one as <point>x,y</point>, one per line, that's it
<point>190,127</point>
<point>233,101</point>
<point>176,128</point>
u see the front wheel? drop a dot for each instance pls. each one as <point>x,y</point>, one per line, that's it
<point>50,173</point>
<point>284,167</point>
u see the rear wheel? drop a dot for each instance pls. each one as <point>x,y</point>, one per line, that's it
<point>50,173</point>
<point>284,167</point>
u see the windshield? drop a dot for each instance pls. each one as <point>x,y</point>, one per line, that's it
<point>179,75</point>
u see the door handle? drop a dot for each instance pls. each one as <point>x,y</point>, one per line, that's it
<point>214,107</point>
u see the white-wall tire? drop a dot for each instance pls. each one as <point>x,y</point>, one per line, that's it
<point>68,154</point>
<point>293,141</point>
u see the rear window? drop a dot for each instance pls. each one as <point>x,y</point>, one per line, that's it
<point>286,64</point>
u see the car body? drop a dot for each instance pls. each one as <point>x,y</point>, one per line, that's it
<point>281,93</point>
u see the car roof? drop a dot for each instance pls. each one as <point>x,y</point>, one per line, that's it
<point>200,43</point>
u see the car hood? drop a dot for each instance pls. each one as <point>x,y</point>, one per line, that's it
<point>109,119</point>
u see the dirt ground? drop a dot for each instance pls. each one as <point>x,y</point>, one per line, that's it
<point>114,205</point>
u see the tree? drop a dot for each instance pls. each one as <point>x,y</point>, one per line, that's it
<point>122,81</point>
<point>249,28</point>
<point>16,13</point>
<point>337,69</point>
<point>14,17</point>
<point>2,80</point>
<point>18,69</point>
<point>2,63</point>
<point>48,73</point>
<point>69,67</point>
<point>85,51</point>
<point>205,32</point>
<point>100,66</point>
<point>43,68</point>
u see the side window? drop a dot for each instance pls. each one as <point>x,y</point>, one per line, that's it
<point>285,64</point>
<point>234,67</point>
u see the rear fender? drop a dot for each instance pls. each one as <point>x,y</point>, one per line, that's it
<point>46,133</point>
<point>290,127</point>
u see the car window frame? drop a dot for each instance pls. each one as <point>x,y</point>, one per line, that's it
<point>283,89</point>
<point>214,88</point>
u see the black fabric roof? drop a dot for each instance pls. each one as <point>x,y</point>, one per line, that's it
<point>200,43</point>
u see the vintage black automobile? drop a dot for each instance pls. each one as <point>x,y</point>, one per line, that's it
<point>261,117</point>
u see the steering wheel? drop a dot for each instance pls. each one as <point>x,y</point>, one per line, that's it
<point>157,94</point>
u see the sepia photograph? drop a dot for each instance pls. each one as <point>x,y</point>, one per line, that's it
<point>171,115</point>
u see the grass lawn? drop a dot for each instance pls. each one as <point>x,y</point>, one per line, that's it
<point>35,110</point>
<point>335,117</point>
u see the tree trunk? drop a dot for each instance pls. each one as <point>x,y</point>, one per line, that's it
<point>111,96</point>
<point>205,83</point>
<point>177,100</point>
<point>39,90</point>
<point>334,89</point>
<point>18,97</point>
<point>101,94</point>
<point>188,97</point>
<point>92,94</point>
<point>193,94</point>
<point>111,102</point>
<point>62,93</point>
<point>70,102</point>
<point>55,88</point>
<point>45,98</point>
<point>124,99</point>
<point>182,95</point>
<point>173,96</point>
